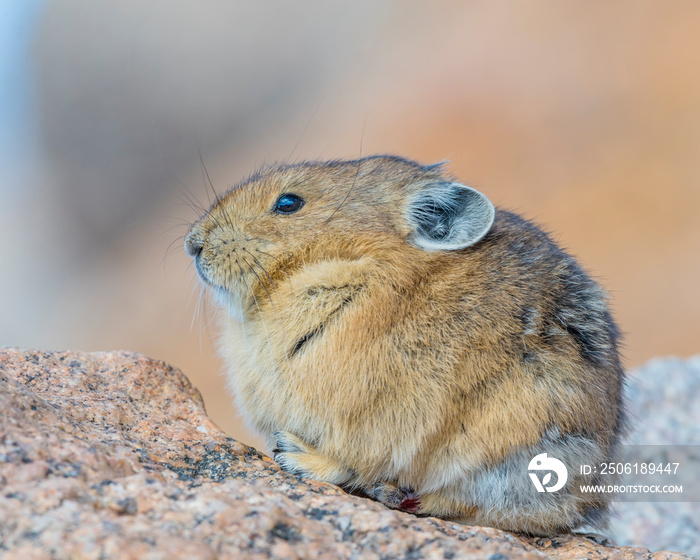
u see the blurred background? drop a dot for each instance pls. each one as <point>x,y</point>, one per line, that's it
<point>584,116</point>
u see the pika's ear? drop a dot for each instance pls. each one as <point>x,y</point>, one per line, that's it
<point>449,216</point>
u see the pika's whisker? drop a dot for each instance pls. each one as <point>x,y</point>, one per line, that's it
<point>205,177</point>
<point>269,296</point>
<point>197,309</point>
<point>214,303</point>
<point>207,180</point>
<point>208,184</point>
<point>282,267</point>
<point>172,247</point>
<point>261,267</point>
<point>189,300</point>
<point>192,203</point>
<point>352,187</point>
<point>357,174</point>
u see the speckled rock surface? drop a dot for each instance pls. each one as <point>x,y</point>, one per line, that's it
<point>664,406</point>
<point>111,455</point>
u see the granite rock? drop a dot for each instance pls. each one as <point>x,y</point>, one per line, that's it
<point>664,408</point>
<point>112,455</point>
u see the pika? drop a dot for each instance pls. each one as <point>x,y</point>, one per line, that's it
<point>391,332</point>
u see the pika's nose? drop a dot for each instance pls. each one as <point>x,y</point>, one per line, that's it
<point>193,244</point>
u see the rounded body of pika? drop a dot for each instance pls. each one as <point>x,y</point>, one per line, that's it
<point>390,331</point>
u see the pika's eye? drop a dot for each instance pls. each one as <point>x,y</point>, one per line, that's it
<point>288,204</point>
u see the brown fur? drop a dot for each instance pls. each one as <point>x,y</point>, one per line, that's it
<point>375,362</point>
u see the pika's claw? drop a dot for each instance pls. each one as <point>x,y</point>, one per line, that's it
<point>289,451</point>
<point>395,497</point>
<point>597,538</point>
<point>288,443</point>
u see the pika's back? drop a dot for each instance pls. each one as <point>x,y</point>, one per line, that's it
<point>550,288</point>
<point>544,320</point>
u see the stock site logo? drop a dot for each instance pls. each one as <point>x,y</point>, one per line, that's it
<point>543,463</point>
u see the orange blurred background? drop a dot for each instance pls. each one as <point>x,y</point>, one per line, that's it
<point>584,116</point>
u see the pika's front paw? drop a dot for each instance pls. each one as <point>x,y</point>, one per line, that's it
<point>297,457</point>
<point>395,497</point>
<point>289,452</point>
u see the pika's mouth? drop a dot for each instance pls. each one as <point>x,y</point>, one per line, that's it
<point>200,270</point>
<point>194,247</point>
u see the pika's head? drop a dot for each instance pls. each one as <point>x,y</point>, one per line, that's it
<point>290,216</point>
